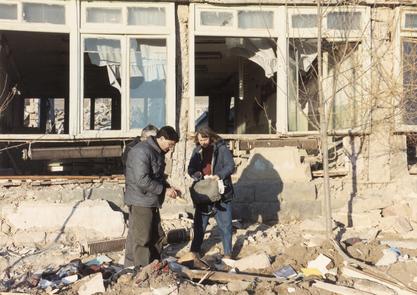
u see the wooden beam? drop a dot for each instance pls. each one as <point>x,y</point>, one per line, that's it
<point>350,272</point>
<point>219,276</point>
<point>303,143</point>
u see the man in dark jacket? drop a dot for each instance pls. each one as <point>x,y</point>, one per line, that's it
<point>212,158</point>
<point>146,189</point>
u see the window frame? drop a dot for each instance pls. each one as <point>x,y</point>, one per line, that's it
<point>126,32</point>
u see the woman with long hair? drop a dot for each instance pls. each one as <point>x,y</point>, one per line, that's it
<point>211,158</point>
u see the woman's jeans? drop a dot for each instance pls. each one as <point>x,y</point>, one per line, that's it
<point>223,213</point>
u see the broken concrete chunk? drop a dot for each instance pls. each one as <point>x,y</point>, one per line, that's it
<point>91,285</point>
<point>255,261</point>
<point>94,216</point>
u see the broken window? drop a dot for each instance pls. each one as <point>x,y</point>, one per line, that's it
<point>409,75</point>
<point>342,88</point>
<point>216,18</point>
<point>102,84</point>
<point>238,76</point>
<point>343,63</point>
<point>35,69</point>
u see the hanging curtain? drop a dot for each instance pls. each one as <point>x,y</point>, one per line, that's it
<point>258,50</point>
<point>106,53</point>
<point>148,61</point>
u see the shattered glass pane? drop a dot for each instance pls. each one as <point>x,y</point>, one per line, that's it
<point>216,18</point>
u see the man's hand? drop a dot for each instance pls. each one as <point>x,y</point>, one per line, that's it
<point>172,193</point>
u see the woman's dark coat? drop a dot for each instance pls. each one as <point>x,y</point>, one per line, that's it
<point>222,165</point>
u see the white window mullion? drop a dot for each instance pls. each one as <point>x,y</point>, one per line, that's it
<point>282,76</point>
<point>125,95</point>
<point>74,59</point>
<point>191,68</point>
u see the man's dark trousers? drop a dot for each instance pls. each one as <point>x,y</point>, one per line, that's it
<point>145,236</point>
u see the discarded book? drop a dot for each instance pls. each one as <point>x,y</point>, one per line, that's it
<point>286,272</point>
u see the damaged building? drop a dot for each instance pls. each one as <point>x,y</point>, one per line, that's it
<point>80,79</point>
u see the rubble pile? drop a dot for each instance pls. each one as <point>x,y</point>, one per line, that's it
<point>268,259</point>
<point>374,251</point>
